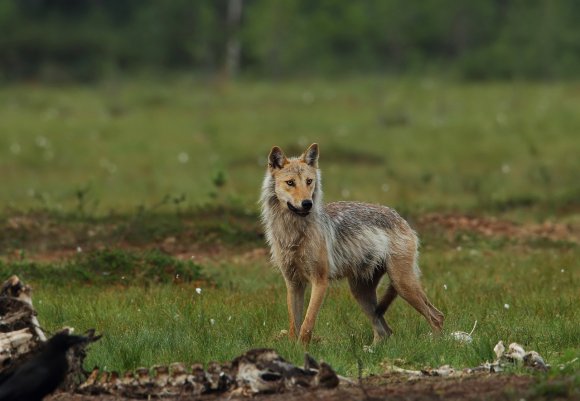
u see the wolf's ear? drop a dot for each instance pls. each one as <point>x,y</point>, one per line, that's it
<point>276,158</point>
<point>310,156</point>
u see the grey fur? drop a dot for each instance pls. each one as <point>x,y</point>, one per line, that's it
<point>352,231</point>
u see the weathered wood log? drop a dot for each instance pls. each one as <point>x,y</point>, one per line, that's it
<point>16,342</point>
<point>20,333</point>
<point>21,336</point>
<point>16,303</point>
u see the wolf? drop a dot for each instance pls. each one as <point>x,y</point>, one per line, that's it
<point>313,243</point>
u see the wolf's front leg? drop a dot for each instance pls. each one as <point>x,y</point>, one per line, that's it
<point>295,300</point>
<point>319,287</point>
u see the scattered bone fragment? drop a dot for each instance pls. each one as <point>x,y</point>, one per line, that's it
<point>533,360</point>
<point>462,336</point>
<point>499,349</point>
<point>257,371</point>
<point>396,369</point>
<point>143,378</point>
<point>515,352</point>
<point>178,374</point>
<point>198,379</point>
<point>91,379</point>
<point>218,377</point>
<point>129,379</point>
<point>161,375</point>
<point>104,379</point>
<point>114,381</point>
<point>263,370</point>
<point>442,371</point>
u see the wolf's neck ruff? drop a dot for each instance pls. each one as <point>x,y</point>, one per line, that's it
<point>294,228</point>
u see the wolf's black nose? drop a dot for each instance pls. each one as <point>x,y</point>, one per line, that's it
<point>306,204</point>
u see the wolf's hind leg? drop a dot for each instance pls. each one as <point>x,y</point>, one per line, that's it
<point>407,284</point>
<point>386,300</point>
<point>364,291</point>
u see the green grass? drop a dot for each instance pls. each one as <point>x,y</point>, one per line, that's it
<point>165,323</point>
<point>132,164</point>
<point>419,144</point>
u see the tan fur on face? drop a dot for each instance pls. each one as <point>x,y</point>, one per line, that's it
<point>295,178</point>
<point>297,172</point>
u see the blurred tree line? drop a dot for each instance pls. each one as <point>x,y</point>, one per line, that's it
<point>477,39</point>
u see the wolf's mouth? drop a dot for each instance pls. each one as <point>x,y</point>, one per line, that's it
<point>299,212</point>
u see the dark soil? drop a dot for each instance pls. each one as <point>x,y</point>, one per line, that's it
<point>399,387</point>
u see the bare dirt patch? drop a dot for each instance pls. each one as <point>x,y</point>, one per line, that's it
<point>494,227</point>
<point>43,238</point>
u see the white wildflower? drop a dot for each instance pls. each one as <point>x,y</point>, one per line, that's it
<point>183,157</point>
<point>15,148</point>
<point>307,97</point>
<point>41,141</point>
<point>368,349</point>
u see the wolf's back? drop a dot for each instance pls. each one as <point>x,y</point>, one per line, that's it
<point>361,237</point>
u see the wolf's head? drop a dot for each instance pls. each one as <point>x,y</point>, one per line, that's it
<point>296,179</point>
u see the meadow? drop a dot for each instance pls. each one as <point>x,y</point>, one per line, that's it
<point>421,144</point>
<point>95,177</point>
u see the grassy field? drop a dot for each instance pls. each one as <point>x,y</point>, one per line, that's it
<point>164,322</point>
<point>419,144</point>
<point>177,166</point>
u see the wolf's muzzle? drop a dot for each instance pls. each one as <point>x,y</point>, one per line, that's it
<point>300,212</point>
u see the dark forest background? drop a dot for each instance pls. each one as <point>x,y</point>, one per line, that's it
<point>84,40</point>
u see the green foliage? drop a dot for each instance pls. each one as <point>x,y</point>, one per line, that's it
<point>477,39</point>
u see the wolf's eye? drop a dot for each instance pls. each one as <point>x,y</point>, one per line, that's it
<point>290,183</point>
<point>308,181</point>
